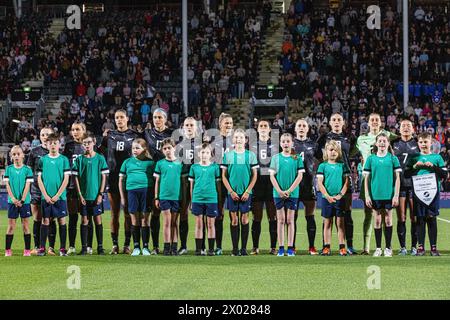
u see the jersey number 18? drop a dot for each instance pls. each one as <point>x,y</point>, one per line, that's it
<point>120,146</point>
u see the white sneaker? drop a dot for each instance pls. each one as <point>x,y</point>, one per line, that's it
<point>89,250</point>
<point>71,251</point>
<point>203,253</point>
<point>388,252</point>
<point>378,252</point>
<point>182,251</point>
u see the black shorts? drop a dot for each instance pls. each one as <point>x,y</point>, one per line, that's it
<point>113,183</point>
<point>406,192</point>
<point>263,190</point>
<point>36,195</point>
<point>72,193</point>
<point>307,191</point>
<point>350,188</point>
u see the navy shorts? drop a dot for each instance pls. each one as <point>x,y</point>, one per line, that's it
<point>288,204</point>
<point>137,201</point>
<point>382,204</point>
<point>420,210</point>
<point>14,212</point>
<point>406,193</point>
<point>335,209</point>
<point>36,195</point>
<point>208,209</point>
<point>239,206</point>
<point>172,205</point>
<point>91,208</point>
<point>56,210</point>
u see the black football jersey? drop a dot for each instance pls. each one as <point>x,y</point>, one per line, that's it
<point>307,149</point>
<point>72,150</point>
<point>346,146</point>
<point>154,140</point>
<point>221,145</point>
<point>187,151</point>
<point>404,151</point>
<point>264,151</point>
<point>116,147</point>
<point>33,159</point>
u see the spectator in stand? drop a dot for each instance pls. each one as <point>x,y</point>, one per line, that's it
<point>145,111</point>
<point>175,109</point>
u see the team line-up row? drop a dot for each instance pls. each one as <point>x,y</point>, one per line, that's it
<point>146,176</point>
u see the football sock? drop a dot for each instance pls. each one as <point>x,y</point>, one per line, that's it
<point>295,229</point>
<point>44,235</point>
<point>184,230</point>
<point>127,238</point>
<point>311,229</point>
<point>166,246</point>
<point>401,232</point>
<point>136,231</point>
<point>323,233</point>
<point>62,235</point>
<point>84,232</point>
<point>234,236</point>
<point>73,220</point>
<point>421,231</point>
<point>413,234</point>
<point>154,227</point>
<point>90,232</point>
<point>211,243</point>
<point>37,233</point>
<point>348,224</point>
<point>245,228</point>
<point>115,240</point>
<point>432,231</point>
<point>9,239</point>
<point>52,234</point>
<point>273,233</point>
<point>219,232</point>
<point>341,246</point>
<point>256,232</point>
<point>174,246</point>
<point>27,241</point>
<point>204,235</point>
<point>388,236</point>
<point>198,244</point>
<point>367,228</point>
<point>99,235</point>
<point>145,236</point>
<point>378,235</point>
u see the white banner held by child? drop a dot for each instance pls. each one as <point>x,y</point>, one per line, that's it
<point>425,187</point>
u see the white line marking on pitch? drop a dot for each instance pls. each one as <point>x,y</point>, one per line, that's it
<point>448,221</point>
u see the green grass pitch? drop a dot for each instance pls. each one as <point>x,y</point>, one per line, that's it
<point>225,277</point>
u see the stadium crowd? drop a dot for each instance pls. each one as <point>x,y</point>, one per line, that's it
<point>333,60</point>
